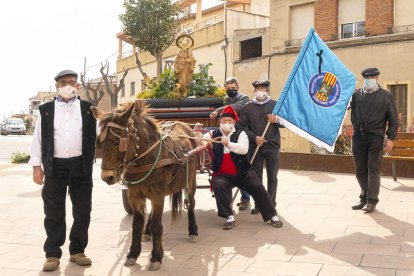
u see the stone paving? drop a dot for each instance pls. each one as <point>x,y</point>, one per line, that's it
<point>321,235</point>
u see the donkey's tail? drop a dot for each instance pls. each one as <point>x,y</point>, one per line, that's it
<point>176,206</point>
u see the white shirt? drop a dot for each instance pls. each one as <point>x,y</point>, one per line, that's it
<point>67,133</point>
<point>240,147</point>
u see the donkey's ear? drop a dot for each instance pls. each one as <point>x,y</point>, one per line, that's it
<point>127,113</point>
<point>97,113</point>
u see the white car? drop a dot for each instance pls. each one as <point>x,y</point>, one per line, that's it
<point>13,126</point>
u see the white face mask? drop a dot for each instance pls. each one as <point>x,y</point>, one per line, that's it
<point>67,92</point>
<point>260,95</point>
<point>227,127</point>
<point>370,84</point>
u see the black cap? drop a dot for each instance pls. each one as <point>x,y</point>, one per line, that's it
<point>65,73</point>
<point>261,83</point>
<point>369,72</point>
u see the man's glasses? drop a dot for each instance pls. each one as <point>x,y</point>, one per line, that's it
<point>64,83</point>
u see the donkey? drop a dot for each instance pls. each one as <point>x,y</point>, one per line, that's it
<point>152,160</point>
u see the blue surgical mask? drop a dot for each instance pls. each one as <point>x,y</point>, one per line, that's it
<point>370,84</point>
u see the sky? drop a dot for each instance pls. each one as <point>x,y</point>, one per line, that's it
<point>40,38</point>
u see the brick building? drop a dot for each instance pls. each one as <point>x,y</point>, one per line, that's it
<point>361,33</point>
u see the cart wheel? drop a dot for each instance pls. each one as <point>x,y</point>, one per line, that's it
<point>125,200</point>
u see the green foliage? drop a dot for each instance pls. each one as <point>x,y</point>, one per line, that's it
<point>162,88</point>
<point>202,85</point>
<point>165,87</point>
<point>20,157</point>
<point>152,24</point>
<point>343,144</point>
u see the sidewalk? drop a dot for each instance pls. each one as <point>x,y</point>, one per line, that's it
<point>322,235</point>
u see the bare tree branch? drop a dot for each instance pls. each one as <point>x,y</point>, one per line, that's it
<point>111,88</point>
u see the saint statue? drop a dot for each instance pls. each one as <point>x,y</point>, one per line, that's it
<point>184,64</point>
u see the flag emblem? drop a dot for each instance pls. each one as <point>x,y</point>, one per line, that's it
<point>324,89</point>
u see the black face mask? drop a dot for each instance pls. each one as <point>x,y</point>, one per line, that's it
<point>231,93</point>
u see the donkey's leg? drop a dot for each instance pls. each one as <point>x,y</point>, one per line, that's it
<point>156,231</point>
<point>147,231</point>
<point>138,206</point>
<point>192,224</point>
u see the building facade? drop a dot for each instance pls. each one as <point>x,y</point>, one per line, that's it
<point>261,40</point>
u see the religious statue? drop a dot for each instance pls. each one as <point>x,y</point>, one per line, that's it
<point>184,63</point>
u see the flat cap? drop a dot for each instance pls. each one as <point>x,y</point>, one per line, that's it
<point>369,72</point>
<point>65,73</point>
<point>258,83</point>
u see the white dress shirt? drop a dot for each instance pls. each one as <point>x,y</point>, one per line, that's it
<point>67,133</point>
<point>240,147</point>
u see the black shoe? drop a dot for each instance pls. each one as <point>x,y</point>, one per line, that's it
<point>244,204</point>
<point>369,208</point>
<point>358,206</point>
<point>255,211</point>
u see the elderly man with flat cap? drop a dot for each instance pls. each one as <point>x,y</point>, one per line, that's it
<point>62,155</point>
<point>374,119</point>
<point>256,114</point>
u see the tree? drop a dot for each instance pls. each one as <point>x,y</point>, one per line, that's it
<point>112,88</point>
<point>95,98</point>
<point>152,25</point>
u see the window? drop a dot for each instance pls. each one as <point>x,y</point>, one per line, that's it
<point>132,88</point>
<point>350,30</point>
<point>251,48</point>
<point>351,18</point>
<point>400,97</point>
<point>301,19</point>
<point>123,91</point>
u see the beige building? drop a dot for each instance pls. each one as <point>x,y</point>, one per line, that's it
<point>213,31</point>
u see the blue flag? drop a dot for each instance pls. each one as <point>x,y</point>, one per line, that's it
<point>315,97</point>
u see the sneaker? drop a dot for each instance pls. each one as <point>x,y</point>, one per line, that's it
<point>80,259</point>
<point>51,264</point>
<point>255,211</point>
<point>276,223</point>
<point>229,225</point>
<point>244,204</point>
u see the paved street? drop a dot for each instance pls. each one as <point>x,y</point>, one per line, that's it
<point>321,236</point>
<point>14,143</point>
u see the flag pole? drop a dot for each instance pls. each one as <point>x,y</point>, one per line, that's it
<point>257,147</point>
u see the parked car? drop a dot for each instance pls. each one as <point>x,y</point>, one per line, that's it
<point>13,126</point>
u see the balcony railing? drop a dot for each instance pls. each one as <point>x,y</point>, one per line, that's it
<point>401,29</point>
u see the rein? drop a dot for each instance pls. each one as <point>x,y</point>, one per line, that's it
<point>126,182</point>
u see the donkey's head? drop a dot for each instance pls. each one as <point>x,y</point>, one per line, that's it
<point>113,139</point>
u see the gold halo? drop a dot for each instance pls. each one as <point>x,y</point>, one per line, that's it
<point>182,41</point>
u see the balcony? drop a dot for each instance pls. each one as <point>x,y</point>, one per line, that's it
<point>401,29</point>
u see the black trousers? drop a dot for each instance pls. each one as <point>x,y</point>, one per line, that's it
<point>250,182</point>
<point>367,150</point>
<point>67,173</point>
<point>269,155</point>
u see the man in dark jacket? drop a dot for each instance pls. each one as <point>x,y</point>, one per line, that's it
<point>231,168</point>
<point>256,114</point>
<point>64,145</point>
<point>373,108</point>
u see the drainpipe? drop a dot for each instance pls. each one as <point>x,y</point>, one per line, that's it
<point>268,65</point>
<point>224,44</point>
